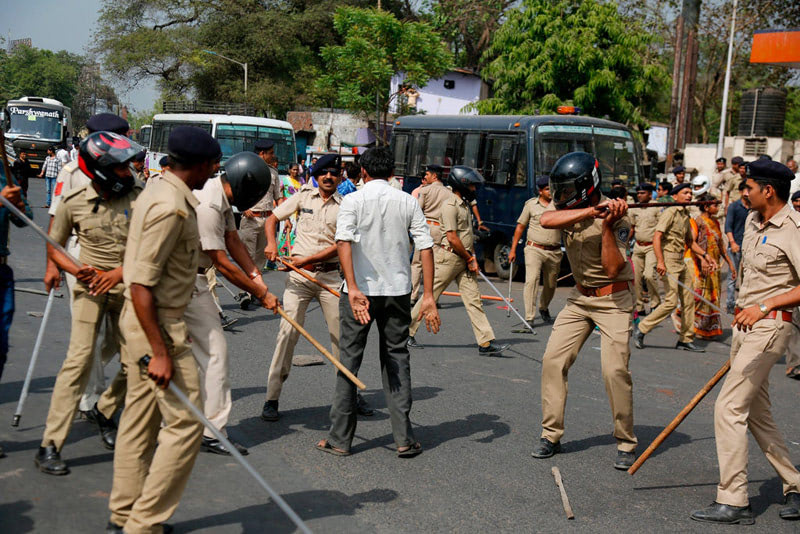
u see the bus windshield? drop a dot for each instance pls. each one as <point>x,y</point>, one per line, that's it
<point>614,149</point>
<point>235,138</point>
<point>37,123</point>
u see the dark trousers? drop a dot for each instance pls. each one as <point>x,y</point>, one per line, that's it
<point>6,310</point>
<point>392,314</point>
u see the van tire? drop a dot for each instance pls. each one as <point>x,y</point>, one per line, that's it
<point>500,258</point>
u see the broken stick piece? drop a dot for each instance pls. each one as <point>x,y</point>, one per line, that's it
<point>564,498</point>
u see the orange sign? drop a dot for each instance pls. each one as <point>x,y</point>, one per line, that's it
<point>776,47</point>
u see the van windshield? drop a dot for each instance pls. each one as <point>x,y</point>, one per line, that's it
<point>613,147</point>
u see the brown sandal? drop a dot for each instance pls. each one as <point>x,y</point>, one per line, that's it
<point>324,446</point>
<point>410,451</point>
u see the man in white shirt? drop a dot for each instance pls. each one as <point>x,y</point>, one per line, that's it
<point>62,155</point>
<point>795,185</point>
<point>372,231</point>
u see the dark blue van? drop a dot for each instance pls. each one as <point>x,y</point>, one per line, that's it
<point>511,152</point>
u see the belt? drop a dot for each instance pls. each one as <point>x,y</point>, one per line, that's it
<point>265,213</point>
<point>450,249</point>
<point>644,243</point>
<point>603,291</point>
<point>435,223</point>
<point>785,316</point>
<point>322,267</point>
<point>543,247</point>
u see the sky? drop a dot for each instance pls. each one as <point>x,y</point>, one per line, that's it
<point>58,25</point>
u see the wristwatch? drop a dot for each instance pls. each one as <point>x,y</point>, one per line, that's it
<point>763,308</point>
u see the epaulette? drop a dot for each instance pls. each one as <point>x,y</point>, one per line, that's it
<point>74,192</point>
<point>795,217</point>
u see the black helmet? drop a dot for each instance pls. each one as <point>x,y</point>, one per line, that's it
<point>249,177</point>
<point>461,177</point>
<point>99,153</point>
<point>573,179</point>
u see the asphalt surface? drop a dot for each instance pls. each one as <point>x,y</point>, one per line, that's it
<point>478,418</point>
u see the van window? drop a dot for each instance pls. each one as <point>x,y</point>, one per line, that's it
<point>500,163</point>
<point>471,150</point>
<point>400,142</point>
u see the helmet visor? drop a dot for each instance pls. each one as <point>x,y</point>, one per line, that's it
<point>563,193</point>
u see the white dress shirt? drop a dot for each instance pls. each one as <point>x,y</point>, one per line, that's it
<point>377,220</point>
<point>795,184</point>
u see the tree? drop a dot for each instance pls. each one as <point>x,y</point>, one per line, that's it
<point>31,71</point>
<point>553,52</point>
<point>376,46</point>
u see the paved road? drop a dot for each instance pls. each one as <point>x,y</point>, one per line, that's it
<point>477,417</point>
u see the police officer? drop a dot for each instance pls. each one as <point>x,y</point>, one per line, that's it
<point>98,213</point>
<point>142,173</point>
<point>596,232</point>
<point>721,177</point>
<point>432,196</point>
<point>673,234</point>
<point>542,253</point>
<point>762,331</point>
<point>731,193</point>
<point>71,177</point>
<point>314,251</point>
<point>244,182</point>
<point>455,260</point>
<point>159,272</point>
<point>644,221</point>
<point>251,227</point>
<point>679,173</point>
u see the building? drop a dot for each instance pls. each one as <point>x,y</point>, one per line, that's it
<point>449,95</point>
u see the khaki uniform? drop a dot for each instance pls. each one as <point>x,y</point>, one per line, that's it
<point>721,180</point>
<point>316,228</point>
<point>770,266</point>
<point>70,178</point>
<point>542,257</point>
<point>674,224</point>
<point>644,221</point>
<point>251,229</point>
<point>732,187</point>
<point>162,254</point>
<point>456,216</point>
<point>431,199</point>
<point>214,220</point>
<point>102,230</point>
<point>610,313</point>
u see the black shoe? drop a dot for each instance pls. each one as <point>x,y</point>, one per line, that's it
<point>546,449</point>
<point>113,528</point>
<point>545,315</point>
<point>722,513</point>
<point>638,338</point>
<point>226,321</point>
<point>216,446</point>
<point>88,415</point>
<point>107,427</point>
<point>794,372</point>
<point>270,411</point>
<point>411,343</point>
<point>49,461</point>
<point>363,407</point>
<point>244,300</point>
<point>691,347</point>
<point>492,348</point>
<point>791,510</point>
<point>624,460</point>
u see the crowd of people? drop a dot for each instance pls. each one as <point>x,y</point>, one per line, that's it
<point>142,251</point>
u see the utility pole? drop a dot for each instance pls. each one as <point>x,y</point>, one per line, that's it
<point>673,103</point>
<point>726,88</point>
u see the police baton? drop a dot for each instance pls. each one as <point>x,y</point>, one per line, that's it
<point>34,357</point>
<point>510,307</point>
<point>175,390</point>
<point>689,407</point>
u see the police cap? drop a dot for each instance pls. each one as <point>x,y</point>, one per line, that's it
<point>140,156</point>
<point>543,181</point>
<point>675,190</point>
<point>107,122</point>
<point>190,144</point>
<point>262,145</point>
<point>796,196</point>
<point>438,169</point>
<point>769,170</point>
<point>328,163</point>
<point>645,187</point>
<point>722,160</point>
<point>678,169</point>
<point>737,160</point>
<point>163,162</point>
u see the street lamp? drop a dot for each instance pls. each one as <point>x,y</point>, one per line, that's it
<point>243,65</point>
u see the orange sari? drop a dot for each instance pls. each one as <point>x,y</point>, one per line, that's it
<point>707,320</point>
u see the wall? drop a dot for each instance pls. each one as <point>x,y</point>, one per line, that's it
<point>434,99</point>
<point>342,127</point>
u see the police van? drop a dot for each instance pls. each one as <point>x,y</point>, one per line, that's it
<point>511,152</point>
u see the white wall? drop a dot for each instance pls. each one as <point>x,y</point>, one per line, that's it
<point>434,99</point>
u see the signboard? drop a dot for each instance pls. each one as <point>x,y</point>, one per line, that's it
<point>15,43</point>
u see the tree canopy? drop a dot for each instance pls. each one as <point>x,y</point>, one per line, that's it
<point>553,52</point>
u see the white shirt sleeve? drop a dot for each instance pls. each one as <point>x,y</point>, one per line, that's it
<point>418,227</point>
<point>347,220</point>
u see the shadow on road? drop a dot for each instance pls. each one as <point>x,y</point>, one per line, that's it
<point>309,505</point>
<point>645,434</point>
<point>14,518</point>
<point>11,390</point>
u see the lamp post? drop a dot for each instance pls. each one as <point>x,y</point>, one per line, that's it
<point>243,65</point>
<point>721,140</point>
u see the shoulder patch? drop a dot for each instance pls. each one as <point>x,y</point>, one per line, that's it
<point>180,213</point>
<point>624,233</point>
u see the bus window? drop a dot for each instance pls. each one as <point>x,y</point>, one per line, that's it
<point>235,138</point>
<point>471,149</point>
<point>553,147</point>
<point>521,176</point>
<point>401,162</point>
<point>161,131</point>
<point>499,164</point>
<point>440,149</point>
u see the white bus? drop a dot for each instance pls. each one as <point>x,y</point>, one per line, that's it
<point>235,133</point>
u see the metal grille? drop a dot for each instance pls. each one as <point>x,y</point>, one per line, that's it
<point>755,146</point>
<point>209,106</point>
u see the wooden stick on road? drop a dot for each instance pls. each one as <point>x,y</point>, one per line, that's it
<point>680,417</point>
<point>564,498</point>
<point>308,277</point>
<point>483,297</point>
<point>344,370</point>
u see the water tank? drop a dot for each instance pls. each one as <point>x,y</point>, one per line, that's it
<point>762,113</point>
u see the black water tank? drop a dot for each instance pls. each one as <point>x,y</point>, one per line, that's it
<point>762,113</point>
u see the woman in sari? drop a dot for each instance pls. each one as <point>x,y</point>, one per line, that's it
<point>291,185</point>
<point>707,320</point>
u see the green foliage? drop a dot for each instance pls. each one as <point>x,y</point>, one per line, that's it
<point>376,46</point>
<point>553,52</point>
<point>35,72</point>
<point>792,122</point>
